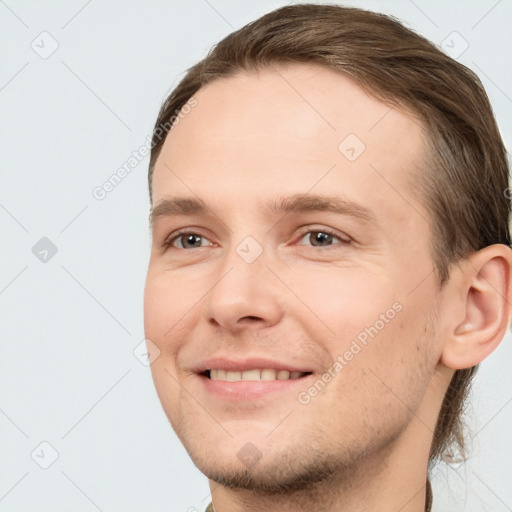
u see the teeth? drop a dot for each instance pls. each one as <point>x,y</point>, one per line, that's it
<point>266,374</point>
<point>251,375</point>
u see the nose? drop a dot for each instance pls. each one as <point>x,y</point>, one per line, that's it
<point>244,295</point>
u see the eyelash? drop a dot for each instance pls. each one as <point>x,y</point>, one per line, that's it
<point>168,243</point>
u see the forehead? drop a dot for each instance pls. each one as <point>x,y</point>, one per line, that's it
<point>291,128</point>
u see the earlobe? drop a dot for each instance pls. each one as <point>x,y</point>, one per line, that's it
<point>487,308</point>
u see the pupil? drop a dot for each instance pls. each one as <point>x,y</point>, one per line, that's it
<point>321,237</point>
<point>193,240</point>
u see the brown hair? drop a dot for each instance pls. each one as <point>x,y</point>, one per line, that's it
<point>465,178</point>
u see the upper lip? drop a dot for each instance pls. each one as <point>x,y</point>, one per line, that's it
<point>248,363</point>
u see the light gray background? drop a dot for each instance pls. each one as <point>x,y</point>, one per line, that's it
<point>69,325</point>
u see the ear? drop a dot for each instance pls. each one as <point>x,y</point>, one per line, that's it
<point>486,308</point>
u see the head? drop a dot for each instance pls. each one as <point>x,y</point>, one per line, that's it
<point>353,107</point>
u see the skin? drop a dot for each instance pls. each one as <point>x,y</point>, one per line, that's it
<point>362,442</point>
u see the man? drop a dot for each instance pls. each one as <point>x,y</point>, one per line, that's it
<point>330,260</point>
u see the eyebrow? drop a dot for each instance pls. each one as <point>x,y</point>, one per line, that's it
<point>298,203</point>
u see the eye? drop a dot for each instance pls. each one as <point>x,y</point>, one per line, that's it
<point>322,238</point>
<point>187,240</point>
<point>317,238</point>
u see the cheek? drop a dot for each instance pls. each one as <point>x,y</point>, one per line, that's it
<point>343,301</point>
<point>156,302</point>
<point>368,321</point>
<point>165,308</point>
<point>167,302</point>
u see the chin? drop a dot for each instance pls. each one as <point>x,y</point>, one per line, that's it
<point>267,470</point>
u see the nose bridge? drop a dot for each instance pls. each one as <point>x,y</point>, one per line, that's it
<point>248,250</point>
<point>244,287</point>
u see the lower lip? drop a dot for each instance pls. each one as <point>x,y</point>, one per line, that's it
<point>252,389</point>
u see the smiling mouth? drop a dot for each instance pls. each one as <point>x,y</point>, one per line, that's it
<point>265,374</point>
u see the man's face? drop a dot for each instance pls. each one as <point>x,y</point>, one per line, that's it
<point>246,287</point>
